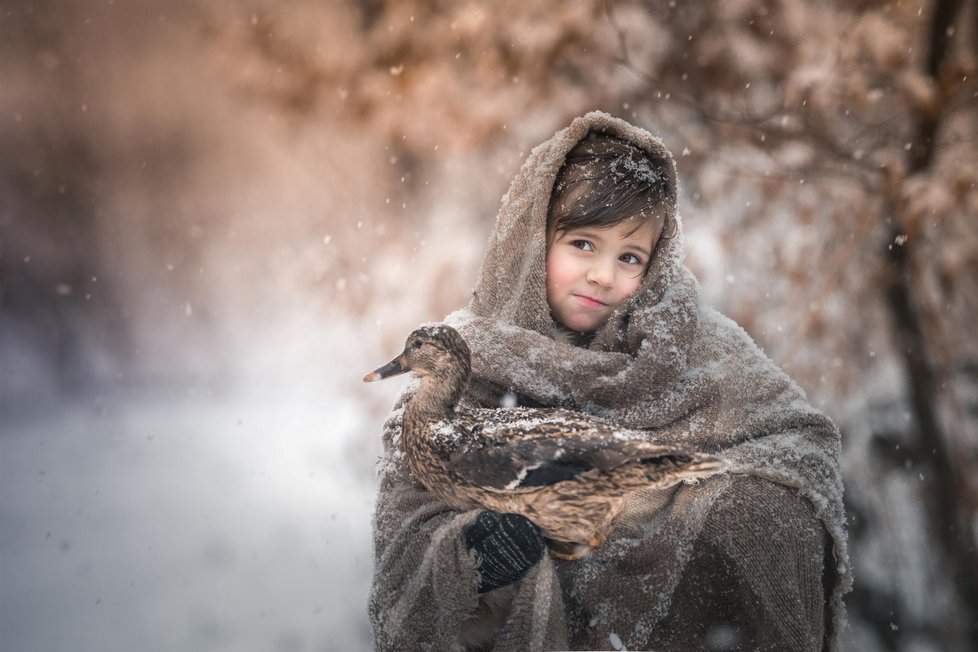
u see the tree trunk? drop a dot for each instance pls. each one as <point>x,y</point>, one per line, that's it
<point>950,521</point>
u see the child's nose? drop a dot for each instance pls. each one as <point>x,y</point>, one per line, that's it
<point>601,274</point>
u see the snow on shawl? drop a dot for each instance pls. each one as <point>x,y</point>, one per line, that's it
<point>664,363</point>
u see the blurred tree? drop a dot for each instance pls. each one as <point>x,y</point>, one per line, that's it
<point>58,292</point>
<point>99,230</point>
<point>830,144</point>
<point>878,97</point>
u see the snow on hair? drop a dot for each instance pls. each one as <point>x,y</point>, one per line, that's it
<point>604,181</point>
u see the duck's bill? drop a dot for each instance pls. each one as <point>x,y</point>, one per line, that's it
<point>392,368</point>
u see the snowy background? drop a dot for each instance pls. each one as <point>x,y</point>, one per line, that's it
<point>215,217</point>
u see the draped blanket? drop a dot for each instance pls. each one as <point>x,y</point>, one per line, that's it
<point>754,558</point>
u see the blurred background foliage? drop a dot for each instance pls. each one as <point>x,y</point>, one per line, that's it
<point>193,194</point>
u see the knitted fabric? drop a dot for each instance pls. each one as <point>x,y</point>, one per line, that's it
<point>754,558</point>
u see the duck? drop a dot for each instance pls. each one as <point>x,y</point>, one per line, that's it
<point>568,472</point>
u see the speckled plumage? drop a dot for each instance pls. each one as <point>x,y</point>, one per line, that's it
<point>568,472</point>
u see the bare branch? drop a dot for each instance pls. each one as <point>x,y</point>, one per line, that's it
<point>838,263</point>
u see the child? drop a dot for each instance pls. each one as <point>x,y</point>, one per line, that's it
<point>583,302</point>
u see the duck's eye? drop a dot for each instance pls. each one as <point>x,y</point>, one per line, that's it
<point>417,344</point>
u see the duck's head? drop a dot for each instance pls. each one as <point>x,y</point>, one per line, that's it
<point>437,351</point>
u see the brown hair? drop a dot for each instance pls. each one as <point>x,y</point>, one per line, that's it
<point>606,180</point>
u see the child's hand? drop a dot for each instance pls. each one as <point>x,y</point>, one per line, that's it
<point>506,545</point>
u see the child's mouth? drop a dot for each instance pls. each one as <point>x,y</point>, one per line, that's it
<point>590,302</point>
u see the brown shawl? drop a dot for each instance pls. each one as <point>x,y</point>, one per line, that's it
<point>751,559</point>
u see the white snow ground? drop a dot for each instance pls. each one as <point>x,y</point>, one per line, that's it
<point>188,523</point>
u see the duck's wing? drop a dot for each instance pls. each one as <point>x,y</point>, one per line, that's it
<point>525,448</point>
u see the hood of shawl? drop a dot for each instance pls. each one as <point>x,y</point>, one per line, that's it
<point>511,286</point>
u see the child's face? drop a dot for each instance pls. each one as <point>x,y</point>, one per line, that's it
<point>590,271</point>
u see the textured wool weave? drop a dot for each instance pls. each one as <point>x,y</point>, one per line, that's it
<point>754,558</point>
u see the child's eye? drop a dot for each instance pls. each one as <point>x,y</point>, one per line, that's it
<point>583,245</point>
<point>631,259</point>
